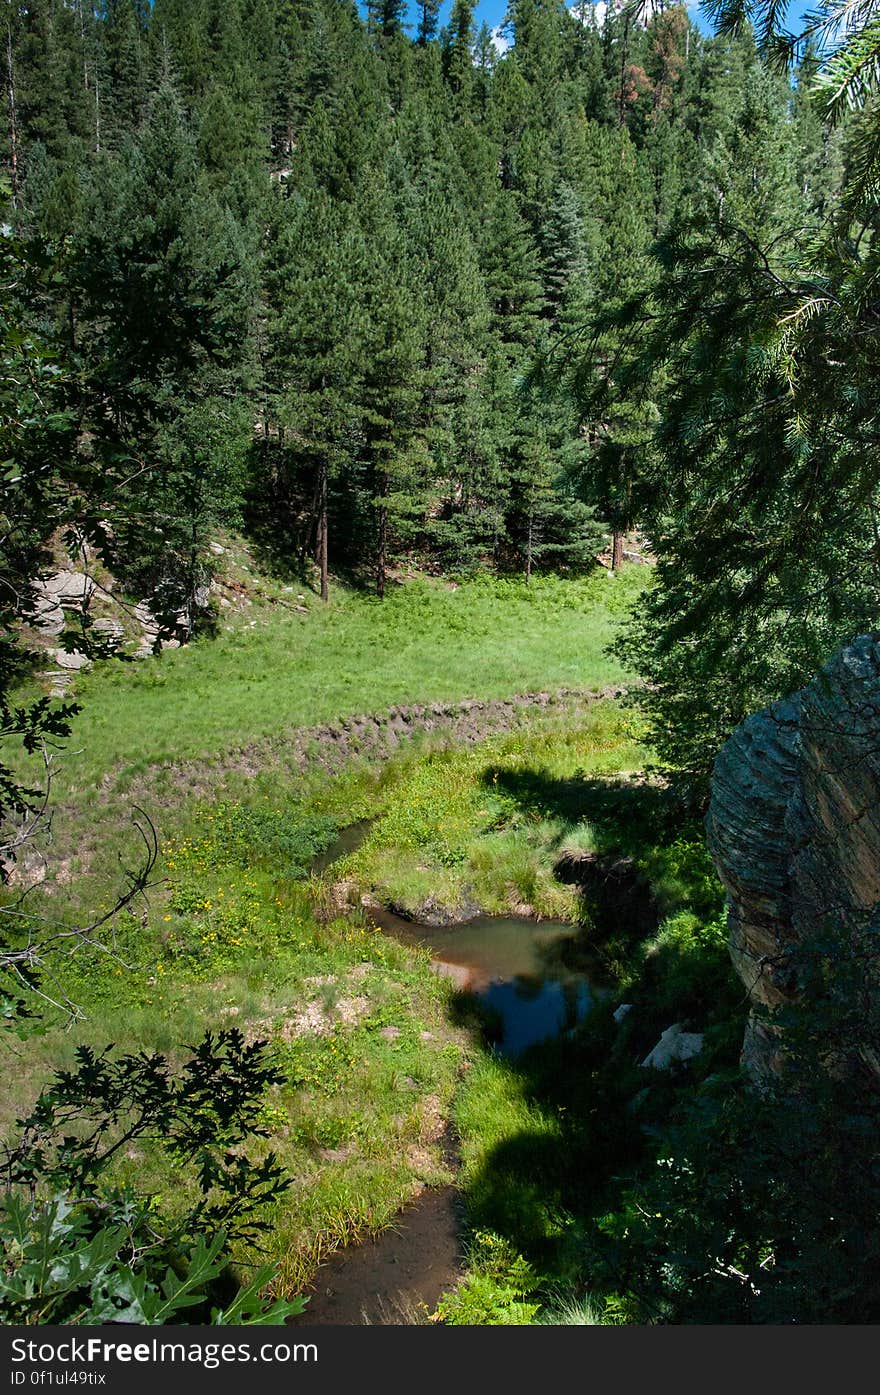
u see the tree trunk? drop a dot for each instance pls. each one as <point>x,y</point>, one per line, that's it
<point>311,528</point>
<point>617,550</point>
<point>382,538</point>
<point>322,532</point>
<point>529,547</point>
<point>13,125</point>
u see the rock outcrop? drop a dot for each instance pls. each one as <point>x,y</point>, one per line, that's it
<point>794,831</point>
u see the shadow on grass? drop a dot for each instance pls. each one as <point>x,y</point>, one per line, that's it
<point>628,819</point>
<point>627,816</point>
<point>595,1125</point>
<point>576,1119</point>
<point>285,552</point>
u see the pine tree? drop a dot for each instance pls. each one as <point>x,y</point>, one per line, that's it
<point>618,268</point>
<point>126,66</point>
<point>564,256</point>
<point>429,20</point>
<point>314,354</point>
<point>458,45</point>
<point>511,267</point>
<point>392,378</point>
<point>50,67</point>
<point>748,178</point>
<point>162,279</point>
<point>452,415</point>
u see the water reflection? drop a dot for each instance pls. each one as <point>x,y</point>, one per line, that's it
<point>537,978</point>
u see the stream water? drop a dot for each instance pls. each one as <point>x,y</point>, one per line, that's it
<point>538,980</point>
<point>534,976</point>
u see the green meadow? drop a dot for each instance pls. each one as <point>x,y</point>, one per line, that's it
<point>388,1084</point>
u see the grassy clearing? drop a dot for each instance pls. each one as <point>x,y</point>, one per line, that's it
<point>374,1057</point>
<point>279,671</point>
<point>268,676</point>
<point>362,1029</point>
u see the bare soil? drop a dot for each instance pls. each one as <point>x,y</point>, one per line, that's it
<point>398,1278</point>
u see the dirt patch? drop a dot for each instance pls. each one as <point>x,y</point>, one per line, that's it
<point>316,1020</point>
<point>397,1279</point>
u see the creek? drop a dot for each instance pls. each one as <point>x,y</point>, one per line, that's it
<point>535,980</point>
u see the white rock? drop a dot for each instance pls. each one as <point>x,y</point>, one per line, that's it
<point>58,681</point>
<point>65,660</point>
<point>48,616</point>
<point>620,1013</point>
<point>145,617</point>
<point>109,627</point>
<point>68,588</point>
<point>217,550</point>
<point>674,1045</point>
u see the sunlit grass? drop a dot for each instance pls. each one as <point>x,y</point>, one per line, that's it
<point>488,638</point>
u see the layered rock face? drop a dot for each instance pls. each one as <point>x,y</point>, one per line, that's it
<point>794,831</point>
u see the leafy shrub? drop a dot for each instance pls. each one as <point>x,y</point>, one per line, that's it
<point>76,1248</point>
<point>288,838</point>
<point>68,1262</point>
<point>687,967</point>
<point>494,1292</point>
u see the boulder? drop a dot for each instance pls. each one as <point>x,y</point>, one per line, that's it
<point>72,661</point>
<point>71,589</point>
<point>674,1045</point>
<point>794,830</point>
<point>48,616</point>
<point>437,914</point>
<point>109,629</point>
<point>63,590</point>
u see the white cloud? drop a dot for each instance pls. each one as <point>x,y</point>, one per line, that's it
<point>595,13</point>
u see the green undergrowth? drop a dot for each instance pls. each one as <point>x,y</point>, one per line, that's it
<point>554,1145</point>
<point>452,829</point>
<point>358,1026</point>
